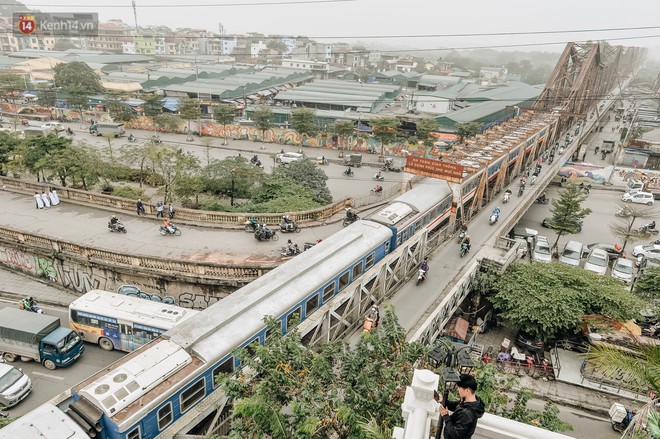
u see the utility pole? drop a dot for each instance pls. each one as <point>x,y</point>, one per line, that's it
<point>135,16</point>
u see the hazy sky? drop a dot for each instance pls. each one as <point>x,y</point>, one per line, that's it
<point>407,20</point>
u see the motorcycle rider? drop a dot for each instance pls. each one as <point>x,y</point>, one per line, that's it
<point>348,171</point>
<point>507,195</point>
<point>131,138</point>
<point>543,198</point>
<point>496,212</point>
<point>424,265</point>
<point>113,221</point>
<point>467,242</point>
<point>350,214</point>
<point>378,189</point>
<point>69,131</point>
<point>378,176</point>
<point>168,225</point>
<point>28,303</point>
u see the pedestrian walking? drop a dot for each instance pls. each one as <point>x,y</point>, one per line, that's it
<point>159,209</point>
<point>170,211</point>
<point>46,200</point>
<point>54,201</point>
<point>40,201</point>
<point>140,206</point>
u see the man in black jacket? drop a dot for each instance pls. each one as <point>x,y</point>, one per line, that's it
<point>463,421</point>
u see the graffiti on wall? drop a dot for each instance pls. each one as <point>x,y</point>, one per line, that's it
<point>80,280</point>
<point>16,259</point>
<point>583,172</point>
<point>45,269</point>
<point>196,301</point>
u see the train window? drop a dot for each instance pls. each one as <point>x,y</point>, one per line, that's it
<point>427,217</point>
<point>399,238</point>
<point>251,347</point>
<point>226,366</point>
<point>328,292</point>
<point>164,416</point>
<point>269,333</point>
<point>357,270</point>
<point>134,434</point>
<point>192,395</point>
<point>371,257</point>
<point>312,305</point>
<point>343,281</point>
<point>294,315</point>
<point>387,246</point>
<point>418,226</point>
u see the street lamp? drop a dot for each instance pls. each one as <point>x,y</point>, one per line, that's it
<point>456,360</point>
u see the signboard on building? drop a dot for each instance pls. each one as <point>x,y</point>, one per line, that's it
<point>434,168</point>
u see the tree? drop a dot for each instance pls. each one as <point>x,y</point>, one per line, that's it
<point>10,86</point>
<point>62,45</point>
<point>281,194</point>
<point>425,127</point>
<point>224,115</point>
<point>137,155</point>
<point>467,130</point>
<point>343,128</point>
<point>78,81</point>
<point>119,111</point>
<point>47,97</point>
<point>648,285</point>
<point>76,163</point>
<point>153,104</point>
<point>189,110</point>
<point>567,213</point>
<point>303,120</point>
<point>308,175</point>
<point>167,122</point>
<point>289,391</point>
<point>384,130</point>
<point>8,145</point>
<point>547,300</point>
<point>233,176</point>
<point>624,229</point>
<point>34,151</point>
<point>262,120</point>
<point>173,165</point>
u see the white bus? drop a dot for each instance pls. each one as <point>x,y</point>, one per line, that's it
<point>116,321</point>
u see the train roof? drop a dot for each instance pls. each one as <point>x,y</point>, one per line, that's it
<point>228,323</point>
<point>426,194</point>
<point>154,314</point>
<point>44,422</point>
<point>419,199</point>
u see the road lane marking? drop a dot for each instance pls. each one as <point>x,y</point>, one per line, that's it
<point>47,375</point>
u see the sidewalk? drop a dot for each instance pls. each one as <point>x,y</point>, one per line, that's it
<point>15,286</point>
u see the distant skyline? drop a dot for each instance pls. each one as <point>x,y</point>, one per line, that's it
<point>397,23</point>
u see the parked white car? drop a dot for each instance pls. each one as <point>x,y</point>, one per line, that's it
<point>14,385</point>
<point>572,253</point>
<point>623,269</point>
<point>542,250</point>
<point>639,198</point>
<point>597,261</point>
<point>648,251</point>
<point>289,157</point>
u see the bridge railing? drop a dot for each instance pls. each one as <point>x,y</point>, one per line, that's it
<point>194,269</point>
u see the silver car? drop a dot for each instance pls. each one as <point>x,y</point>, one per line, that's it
<point>623,269</point>
<point>14,385</point>
<point>542,250</point>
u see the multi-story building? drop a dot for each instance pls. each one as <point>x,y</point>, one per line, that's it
<point>111,38</point>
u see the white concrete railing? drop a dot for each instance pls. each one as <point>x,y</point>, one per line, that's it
<point>420,412</point>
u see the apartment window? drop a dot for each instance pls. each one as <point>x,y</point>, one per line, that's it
<point>192,395</point>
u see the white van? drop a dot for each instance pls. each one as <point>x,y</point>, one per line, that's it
<point>14,385</point>
<point>117,129</point>
<point>572,253</point>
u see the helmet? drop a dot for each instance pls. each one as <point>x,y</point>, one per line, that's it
<point>114,216</point>
<point>497,208</point>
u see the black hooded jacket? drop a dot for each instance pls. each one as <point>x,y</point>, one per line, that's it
<point>463,421</point>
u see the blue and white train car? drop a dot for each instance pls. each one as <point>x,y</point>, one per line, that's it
<point>425,206</point>
<point>141,395</point>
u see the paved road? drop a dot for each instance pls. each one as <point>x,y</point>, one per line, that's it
<point>48,383</point>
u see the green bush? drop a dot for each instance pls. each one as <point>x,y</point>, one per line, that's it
<point>129,192</point>
<point>216,207</point>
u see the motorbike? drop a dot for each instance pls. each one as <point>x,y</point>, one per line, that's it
<point>542,200</point>
<point>171,230</point>
<point>264,234</point>
<point>289,227</point>
<point>622,213</point>
<point>507,196</point>
<point>348,220</point>
<point>291,251</point>
<point>421,276</point>
<point>461,235</point>
<point>377,190</point>
<point>348,173</point>
<point>116,227</point>
<point>646,229</point>
<point>493,219</point>
<point>532,181</point>
<point>251,226</point>
<point>521,190</point>
<point>618,418</point>
<point>132,139</point>
<point>378,177</point>
<point>156,139</point>
<point>465,248</point>
<point>70,132</point>
<point>32,308</point>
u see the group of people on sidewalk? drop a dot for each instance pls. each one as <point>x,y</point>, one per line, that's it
<point>160,209</point>
<point>45,200</point>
